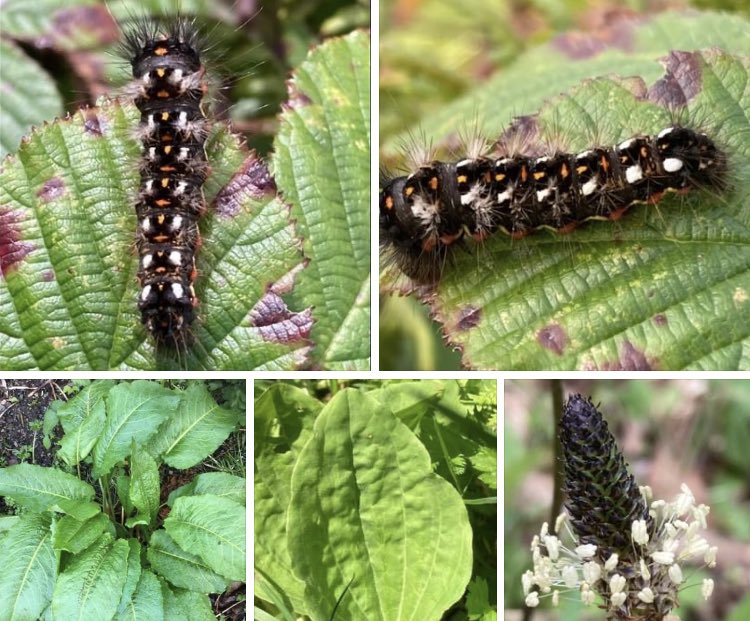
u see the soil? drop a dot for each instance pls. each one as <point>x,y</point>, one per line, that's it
<point>23,402</point>
<point>22,407</point>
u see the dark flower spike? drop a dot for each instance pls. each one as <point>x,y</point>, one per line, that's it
<point>603,499</point>
<point>625,547</point>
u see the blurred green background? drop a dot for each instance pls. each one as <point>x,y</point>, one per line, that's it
<point>433,52</point>
<point>671,431</point>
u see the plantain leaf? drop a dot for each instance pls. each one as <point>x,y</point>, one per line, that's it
<point>367,512</point>
<point>29,569</point>
<point>322,165</point>
<point>134,413</point>
<point>216,483</point>
<point>75,535</point>
<point>90,587</point>
<point>284,419</point>
<point>665,287</point>
<point>196,430</point>
<point>77,444</point>
<point>181,568</point>
<point>186,605</point>
<point>213,528</point>
<point>47,489</point>
<point>144,484</point>
<point>146,603</point>
<point>132,575</point>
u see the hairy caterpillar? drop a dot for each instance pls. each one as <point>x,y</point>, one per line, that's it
<point>169,88</point>
<point>424,213</point>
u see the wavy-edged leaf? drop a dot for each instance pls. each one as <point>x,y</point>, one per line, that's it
<point>76,535</point>
<point>91,586</point>
<point>29,569</point>
<point>186,605</point>
<point>216,483</point>
<point>147,602</point>
<point>134,412</point>
<point>366,506</point>
<point>144,484</point>
<point>68,296</point>
<point>213,528</point>
<point>284,418</point>
<point>663,288</point>
<point>29,96</point>
<point>196,430</point>
<point>48,489</point>
<point>322,164</point>
<point>181,568</point>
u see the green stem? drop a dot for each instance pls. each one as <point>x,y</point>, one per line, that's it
<point>557,410</point>
<point>106,496</point>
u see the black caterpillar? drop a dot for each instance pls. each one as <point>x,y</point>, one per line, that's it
<point>425,213</point>
<point>168,89</point>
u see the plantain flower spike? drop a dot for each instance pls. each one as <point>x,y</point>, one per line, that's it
<point>624,546</point>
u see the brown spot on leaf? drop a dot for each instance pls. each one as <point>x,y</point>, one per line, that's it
<point>48,275</point>
<point>253,180</point>
<point>681,82</point>
<point>631,359</point>
<point>12,249</point>
<point>521,136</point>
<point>605,30</point>
<point>297,99</point>
<point>468,317</point>
<point>277,324</point>
<point>52,189</point>
<point>553,337</point>
<point>660,320</point>
<point>92,125</point>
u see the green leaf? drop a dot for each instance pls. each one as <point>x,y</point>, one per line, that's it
<point>122,485</point>
<point>181,568</point>
<point>213,528</point>
<point>90,587</point>
<point>322,164</point>
<point>196,430</point>
<point>29,95</point>
<point>547,70</point>
<point>29,569</point>
<point>147,603</point>
<point>366,507</point>
<point>7,522</point>
<point>75,535</point>
<point>664,288</point>
<point>132,575</point>
<point>73,413</point>
<point>284,419</point>
<point>47,489</point>
<point>134,413</point>
<point>216,483</point>
<point>186,605</point>
<point>144,483</point>
<point>77,444</point>
<point>68,299</point>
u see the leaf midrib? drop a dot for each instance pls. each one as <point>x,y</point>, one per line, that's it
<point>26,573</point>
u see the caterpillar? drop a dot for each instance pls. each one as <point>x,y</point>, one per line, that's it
<point>169,90</point>
<point>422,215</point>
